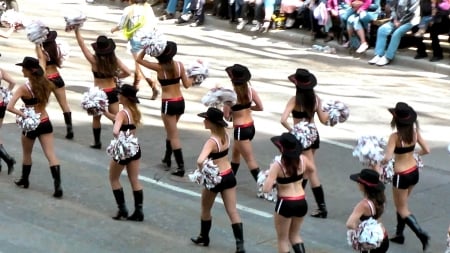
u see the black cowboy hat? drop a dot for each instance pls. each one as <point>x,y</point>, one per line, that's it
<point>369,178</point>
<point>303,79</point>
<point>214,115</point>
<point>103,45</point>
<point>403,114</point>
<point>169,52</point>
<point>51,36</point>
<point>32,64</point>
<point>129,92</point>
<point>238,74</point>
<point>288,145</point>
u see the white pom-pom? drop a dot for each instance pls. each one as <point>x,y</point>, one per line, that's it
<point>209,175</point>
<point>125,146</point>
<point>5,95</point>
<point>369,235</point>
<point>12,18</point>
<point>198,70</point>
<point>387,172</point>
<point>30,121</point>
<point>36,32</point>
<point>74,20</point>
<point>154,43</point>
<point>338,112</point>
<point>271,196</point>
<point>64,48</point>
<point>369,150</point>
<point>94,101</point>
<point>306,133</point>
<point>219,96</point>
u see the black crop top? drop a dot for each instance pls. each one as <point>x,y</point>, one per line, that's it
<point>291,179</point>
<point>125,127</point>
<point>30,101</point>
<point>403,150</point>
<point>219,154</point>
<point>238,107</point>
<point>166,82</point>
<point>101,75</point>
<point>51,62</point>
<point>299,114</point>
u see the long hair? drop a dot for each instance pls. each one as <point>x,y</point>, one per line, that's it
<point>135,112</point>
<point>219,131</point>
<point>242,91</point>
<point>169,69</point>
<point>306,100</point>
<point>41,88</point>
<point>291,165</point>
<point>378,199</point>
<point>107,64</point>
<point>405,132</point>
<point>53,53</point>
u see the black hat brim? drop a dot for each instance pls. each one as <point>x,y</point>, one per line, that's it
<point>294,153</point>
<point>238,80</point>
<point>312,82</point>
<point>220,122</point>
<point>356,177</point>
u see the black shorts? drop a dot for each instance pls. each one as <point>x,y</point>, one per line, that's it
<point>2,110</point>
<point>228,181</point>
<point>291,206</point>
<point>57,80</point>
<point>137,156</point>
<point>407,178</point>
<point>45,127</point>
<point>173,106</point>
<point>112,95</point>
<point>244,132</point>
<point>315,145</point>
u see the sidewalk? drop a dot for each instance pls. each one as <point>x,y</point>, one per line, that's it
<point>404,57</point>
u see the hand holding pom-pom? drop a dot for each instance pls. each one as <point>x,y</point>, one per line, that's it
<point>338,112</point>
<point>74,21</point>
<point>387,172</point>
<point>37,32</point>
<point>154,43</point>
<point>306,133</point>
<point>271,196</point>
<point>95,101</point>
<point>209,175</point>
<point>12,18</point>
<point>370,150</point>
<point>30,121</point>
<point>126,145</point>
<point>198,70</point>
<point>367,236</point>
<point>5,95</point>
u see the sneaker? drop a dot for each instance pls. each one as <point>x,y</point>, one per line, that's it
<point>374,59</point>
<point>256,26</point>
<point>167,16</point>
<point>383,61</point>
<point>265,26</point>
<point>346,44</point>
<point>289,23</point>
<point>420,33</point>
<point>196,23</point>
<point>241,24</point>
<point>362,48</point>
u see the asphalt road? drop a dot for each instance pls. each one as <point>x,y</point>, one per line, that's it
<point>33,221</point>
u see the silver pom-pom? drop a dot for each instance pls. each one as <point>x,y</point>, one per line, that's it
<point>367,236</point>
<point>12,18</point>
<point>370,150</point>
<point>218,96</point>
<point>305,132</point>
<point>94,101</point>
<point>5,95</point>
<point>63,48</point>
<point>338,112</point>
<point>30,121</point>
<point>271,196</point>
<point>74,20</point>
<point>154,43</point>
<point>197,70</point>
<point>36,32</point>
<point>209,175</point>
<point>124,146</point>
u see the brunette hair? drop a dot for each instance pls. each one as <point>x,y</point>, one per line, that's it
<point>378,199</point>
<point>135,112</point>
<point>220,131</point>
<point>52,52</point>
<point>306,100</point>
<point>41,88</point>
<point>107,64</point>
<point>405,132</point>
<point>169,68</point>
<point>291,165</point>
<point>242,91</point>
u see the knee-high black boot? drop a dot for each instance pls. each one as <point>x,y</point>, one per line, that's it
<point>203,238</point>
<point>321,211</point>
<point>10,161</point>
<point>167,156</point>
<point>68,121</point>
<point>420,233</point>
<point>138,214</point>
<point>180,162</point>
<point>97,143</point>
<point>299,248</point>
<point>255,173</point>
<point>56,174</point>
<point>235,167</point>
<point>122,213</point>
<point>23,181</point>
<point>399,238</point>
<point>239,236</point>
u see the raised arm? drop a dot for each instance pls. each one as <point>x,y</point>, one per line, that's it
<point>89,56</point>
<point>150,65</point>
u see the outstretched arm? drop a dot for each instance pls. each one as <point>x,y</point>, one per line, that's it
<point>89,56</point>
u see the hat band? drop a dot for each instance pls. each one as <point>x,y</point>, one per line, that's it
<point>366,183</point>
<point>305,83</point>
<point>407,117</point>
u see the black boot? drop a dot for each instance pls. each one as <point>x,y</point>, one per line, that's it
<point>56,174</point>
<point>321,211</point>
<point>179,159</point>
<point>203,238</point>
<point>23,181</point>
<point>97,143</point>
<point>255,173</point>
<point>167,160</point>
<point>299,248</point>
<point>122,213</point>
<point>138,214</point>
<point>235,167</point>
<point>420,233</point>
<point>399,238</point>
<point>239,236</point>
<point>10,161</point>
<point>68,121</point>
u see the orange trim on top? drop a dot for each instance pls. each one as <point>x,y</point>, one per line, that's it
<point>45,119</point>
<point>52,76</point>
<point>301,197</point>
<point>226,172</point>
<point>244,125</point>
<point>413,168</point>
<point>108,89</point>
<point>172,99</point>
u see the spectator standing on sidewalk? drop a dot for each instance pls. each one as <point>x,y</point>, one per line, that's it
<point>136,22</point>
<point>402,14</point>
